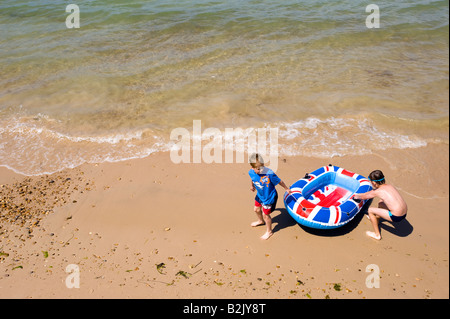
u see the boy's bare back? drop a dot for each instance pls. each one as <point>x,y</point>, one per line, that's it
<point>392,199</point>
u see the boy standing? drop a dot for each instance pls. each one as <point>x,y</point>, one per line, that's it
<point>264,181</point>
<point>392,206</point>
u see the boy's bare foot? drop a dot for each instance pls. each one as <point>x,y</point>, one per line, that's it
<point>266,235</point>
<point>373,235</point>
<point>257,223</point>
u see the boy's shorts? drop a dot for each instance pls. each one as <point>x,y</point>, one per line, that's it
<point>267,209</point>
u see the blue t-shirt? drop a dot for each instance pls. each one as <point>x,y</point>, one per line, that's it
<point>265,183</point>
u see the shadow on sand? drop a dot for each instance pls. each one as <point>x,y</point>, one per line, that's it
<point>284,220</point>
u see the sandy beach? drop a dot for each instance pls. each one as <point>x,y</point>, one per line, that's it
<point>148,228</point>
<point>94,95</point>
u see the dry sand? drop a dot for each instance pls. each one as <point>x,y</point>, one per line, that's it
<point>148,228</point>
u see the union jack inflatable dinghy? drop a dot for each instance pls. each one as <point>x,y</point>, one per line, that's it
<point>323,199</point>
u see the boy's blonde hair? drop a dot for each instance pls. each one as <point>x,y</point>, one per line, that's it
<point>256,160</point>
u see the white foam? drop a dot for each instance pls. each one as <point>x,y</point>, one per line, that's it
<point>339,136</point>
<point>31,149</point>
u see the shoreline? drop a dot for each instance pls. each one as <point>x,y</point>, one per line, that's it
<point>148,228</point>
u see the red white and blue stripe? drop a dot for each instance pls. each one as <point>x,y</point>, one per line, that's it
<point>324,198</point>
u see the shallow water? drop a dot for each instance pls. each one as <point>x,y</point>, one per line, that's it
<point>116,87</point>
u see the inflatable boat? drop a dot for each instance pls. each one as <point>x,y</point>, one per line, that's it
<point>323,199</point>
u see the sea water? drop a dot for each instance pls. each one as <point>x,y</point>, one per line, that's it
<point>134,70</point>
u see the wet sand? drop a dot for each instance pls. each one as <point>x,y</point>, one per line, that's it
<point>148,228</point>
